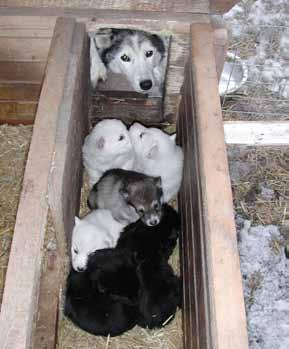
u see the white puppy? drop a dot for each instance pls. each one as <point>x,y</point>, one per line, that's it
<point>107,146</point>
<point>97,230</point>
<point>158,155</point>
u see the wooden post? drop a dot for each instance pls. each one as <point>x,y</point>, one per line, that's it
<point>21,291</point>
<point>214,315</point>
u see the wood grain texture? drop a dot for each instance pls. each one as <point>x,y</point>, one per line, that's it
<point>221,6</point>
<point>23,273</point>
<point>257,132</point>
<point>225,312</point>
<point>64,184</point>
<point>197,6</point>
<point>25,72</point>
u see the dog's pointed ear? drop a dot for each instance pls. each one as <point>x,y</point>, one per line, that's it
<point>173,137</point>
<point>158,182</point>
<point>76,220</point>
<point>100,143</point>
<point>153,151</point>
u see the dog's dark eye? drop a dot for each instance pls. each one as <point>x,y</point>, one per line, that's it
<point>149,53</point>
<point>125,58</point>
<point>141,211</point>
<point>75,251</point>
<point>140,136</point>
<point>156,206</point>
<point>121,137</point>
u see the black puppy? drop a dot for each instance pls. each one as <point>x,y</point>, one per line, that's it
<point>103,299</point>
<point>149,242</point>
<point>160,293</point>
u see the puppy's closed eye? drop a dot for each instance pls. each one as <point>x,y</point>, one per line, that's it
<point>75,251</point>
<point>121,137</point>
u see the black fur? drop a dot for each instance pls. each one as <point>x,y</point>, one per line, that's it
<point>99,302</point>
<point>160,293</point>
<point>149,242</point>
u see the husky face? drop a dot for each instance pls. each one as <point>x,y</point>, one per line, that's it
<point>139,56</point>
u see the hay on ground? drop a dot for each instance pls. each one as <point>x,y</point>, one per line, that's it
<point>14,145</point>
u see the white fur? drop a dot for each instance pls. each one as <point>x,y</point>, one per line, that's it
<point>158,155</point>
<point>97,68</point>
<point>102,149</point>
<point>95,231</point>
<point>140,67</point>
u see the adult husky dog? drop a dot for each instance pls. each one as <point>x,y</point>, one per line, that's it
<point>139,56</point>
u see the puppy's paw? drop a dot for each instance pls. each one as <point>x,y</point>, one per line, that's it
<point>98,73</point>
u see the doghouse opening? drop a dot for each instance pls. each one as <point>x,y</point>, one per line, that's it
<point>135,84</point>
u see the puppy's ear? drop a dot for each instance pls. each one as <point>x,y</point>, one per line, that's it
<point>158,182</point>
<point>100,143</point>
<point>76,220</point>
<point>173,137</point>
<point>153,151</point>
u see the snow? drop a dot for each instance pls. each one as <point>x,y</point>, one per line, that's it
<point>266,286</point>
<point>265,21</point>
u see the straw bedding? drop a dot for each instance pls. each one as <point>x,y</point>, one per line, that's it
<point>14,145</point>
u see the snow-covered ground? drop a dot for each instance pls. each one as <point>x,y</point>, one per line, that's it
<point>266,286</point>
<point>260,34</point>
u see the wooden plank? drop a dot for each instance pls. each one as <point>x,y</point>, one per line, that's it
<point>19,92</point>
<point>257,132</point>
<point>14,112</point>
<point>64,185</point>
<point>227,320</point>
<point>22,279</point>
<point>30,72</point>
<point>24,49</point>
<point>197,6</point>
<point>222,6</point>
<point>220,43</point>
<point>117,15</point>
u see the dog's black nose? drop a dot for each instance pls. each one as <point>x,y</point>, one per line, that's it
<point>153,222</point>
<point>146,84</point>
<point>80,269</point>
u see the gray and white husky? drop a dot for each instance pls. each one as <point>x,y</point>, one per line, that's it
<point>140,56</point>
<point>128,195</point>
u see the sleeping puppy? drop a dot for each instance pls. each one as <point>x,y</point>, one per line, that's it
<point>160,293</point>
<point>158,155</point>
<point>102,299</point>
<point>129,195</point>
<point>107,146</point>
<point>149,242</point>
<point>97,230</point>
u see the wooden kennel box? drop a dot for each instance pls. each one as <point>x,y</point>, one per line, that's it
<point>213,311</point>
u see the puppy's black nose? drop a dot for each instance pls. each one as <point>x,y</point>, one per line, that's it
<point>80,269</point>
<point>153,222</point>
<point>146,84</point>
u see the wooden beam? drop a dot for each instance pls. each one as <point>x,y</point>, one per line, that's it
<point>257,132</point>
<point>64,184</point>
<point>217,317</point>
<point>21,290</point>
<point>222,6</point>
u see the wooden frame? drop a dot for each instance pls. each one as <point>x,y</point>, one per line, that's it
<point>55,149</point>
<point>213,311</point>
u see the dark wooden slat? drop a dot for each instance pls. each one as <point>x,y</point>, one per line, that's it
<point>29,72</point>
<point>20,92</point>
<point>14,113</point>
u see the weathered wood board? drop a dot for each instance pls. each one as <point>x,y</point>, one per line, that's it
<point>214,313</point>
<point>21,293</point>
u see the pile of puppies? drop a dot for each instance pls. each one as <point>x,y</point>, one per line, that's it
<point>120,274</point>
